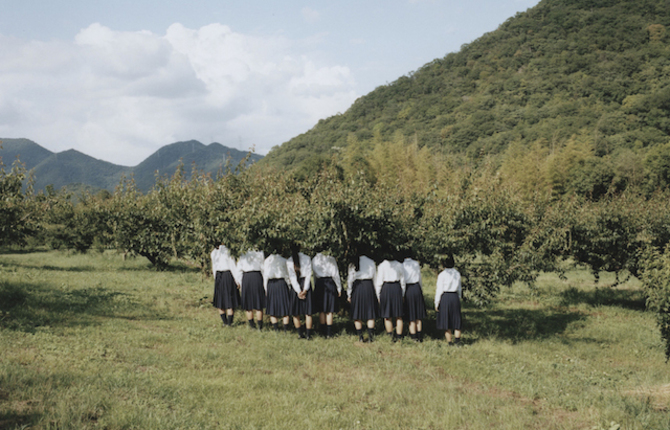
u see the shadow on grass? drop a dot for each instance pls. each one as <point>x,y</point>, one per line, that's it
<point>608,296</point>
<point>25,306</point>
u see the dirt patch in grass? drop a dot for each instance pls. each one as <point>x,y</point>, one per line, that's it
<point>658,396</point>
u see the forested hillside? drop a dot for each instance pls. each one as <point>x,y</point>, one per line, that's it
<point>585,81</point>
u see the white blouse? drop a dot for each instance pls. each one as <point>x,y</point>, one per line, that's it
<point>367,269</point>
<point>325,266</point>
<point>412,271</point>
<point>222,261</point>
<point>305,272</point>
<point>448,281</point>
<point>275,268</point>
<point>252,261</point>
<point>389,271</point>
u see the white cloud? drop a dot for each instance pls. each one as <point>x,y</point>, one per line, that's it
<point>119,96</point>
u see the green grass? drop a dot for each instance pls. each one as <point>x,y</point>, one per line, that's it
<point>92,341</point>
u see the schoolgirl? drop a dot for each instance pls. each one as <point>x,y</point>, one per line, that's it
<point>276,282</point>
<point>414,309</point>
<point>390,287</point>
<point>448,293</point>
<point>250,265</point>
<point>300,272</point>
<point>362,295</point>
<point>226,284</point>
<point>327,288</point>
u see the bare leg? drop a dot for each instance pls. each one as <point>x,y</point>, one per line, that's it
<point>308,321</point>
<point>296,321</point>
<point>273,320</point>
<point>322,318</point>
<point>221,311</point>
<point>371,323</point>
<point>447,335</point>
<point>399,326</point>
<point>457,334</point>
<point>229,311</point>
<point>419,325</point>
<point>412,327</point>
<point>286,319</point>
<point>358,324</point>
<point>250,314</point>
<point>259,315</point>
<point>388,325</point>
<point>329,318</point>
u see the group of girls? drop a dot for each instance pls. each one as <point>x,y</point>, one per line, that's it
<point>391,291</point>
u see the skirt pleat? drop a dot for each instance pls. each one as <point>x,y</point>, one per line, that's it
<point>279,302</point>
<point>415,305</point>
<point>253,293</point>
<point>226,294</point>
<point>301,306</point>
<point>364,303</point>
<point>325,296</point>
<point>390,300</point>
<point>449,314</point>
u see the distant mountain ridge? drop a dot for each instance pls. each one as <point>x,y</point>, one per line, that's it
<point>71,167</point>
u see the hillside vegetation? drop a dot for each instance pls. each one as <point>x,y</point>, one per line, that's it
<point>587,81</point>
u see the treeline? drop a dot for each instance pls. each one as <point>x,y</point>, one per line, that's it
<point>374,202</point>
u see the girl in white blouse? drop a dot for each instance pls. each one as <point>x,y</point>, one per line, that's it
<point>448,293</point>
<point>414,309</point>
<point>327,288</point>
<point>390,286</point>
<point>362,295</point>
<point>226,284</point>
<point>250,266</point>
<point>276,282</point>
<point>300,272</point>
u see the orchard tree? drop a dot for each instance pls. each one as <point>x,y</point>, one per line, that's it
<point>137,224</point>
<point>655,263</point>
<point>19,217</point>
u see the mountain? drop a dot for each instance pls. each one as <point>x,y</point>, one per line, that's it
<point>208,158</point>
<point>29,152</point>
<point>75,169</point>
<point>594,70</point>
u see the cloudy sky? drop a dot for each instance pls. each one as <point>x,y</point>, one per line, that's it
<point>119,79</point>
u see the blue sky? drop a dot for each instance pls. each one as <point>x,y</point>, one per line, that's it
<point>117,80</point>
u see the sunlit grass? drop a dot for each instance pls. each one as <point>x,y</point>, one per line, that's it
<point>93,341</point>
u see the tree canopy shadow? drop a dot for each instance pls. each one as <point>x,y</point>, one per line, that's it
<point>514,325</point>
<point>607,296</point>
<point>24,306</point>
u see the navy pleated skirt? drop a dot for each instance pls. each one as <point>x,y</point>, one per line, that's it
<point>253,293</point>
<point>449,313</point>
<point>279,302</point>
<point>301,306</point>
<point>226,294</point>
<point>364,303</point>
<point>390,300</point>
<point>324,298</point>
<point>415,305</point>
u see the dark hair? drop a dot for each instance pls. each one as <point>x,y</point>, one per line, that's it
<point>448,261</point>
<point>296,259</point>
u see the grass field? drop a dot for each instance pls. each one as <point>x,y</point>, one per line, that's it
<point>92,341</point>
